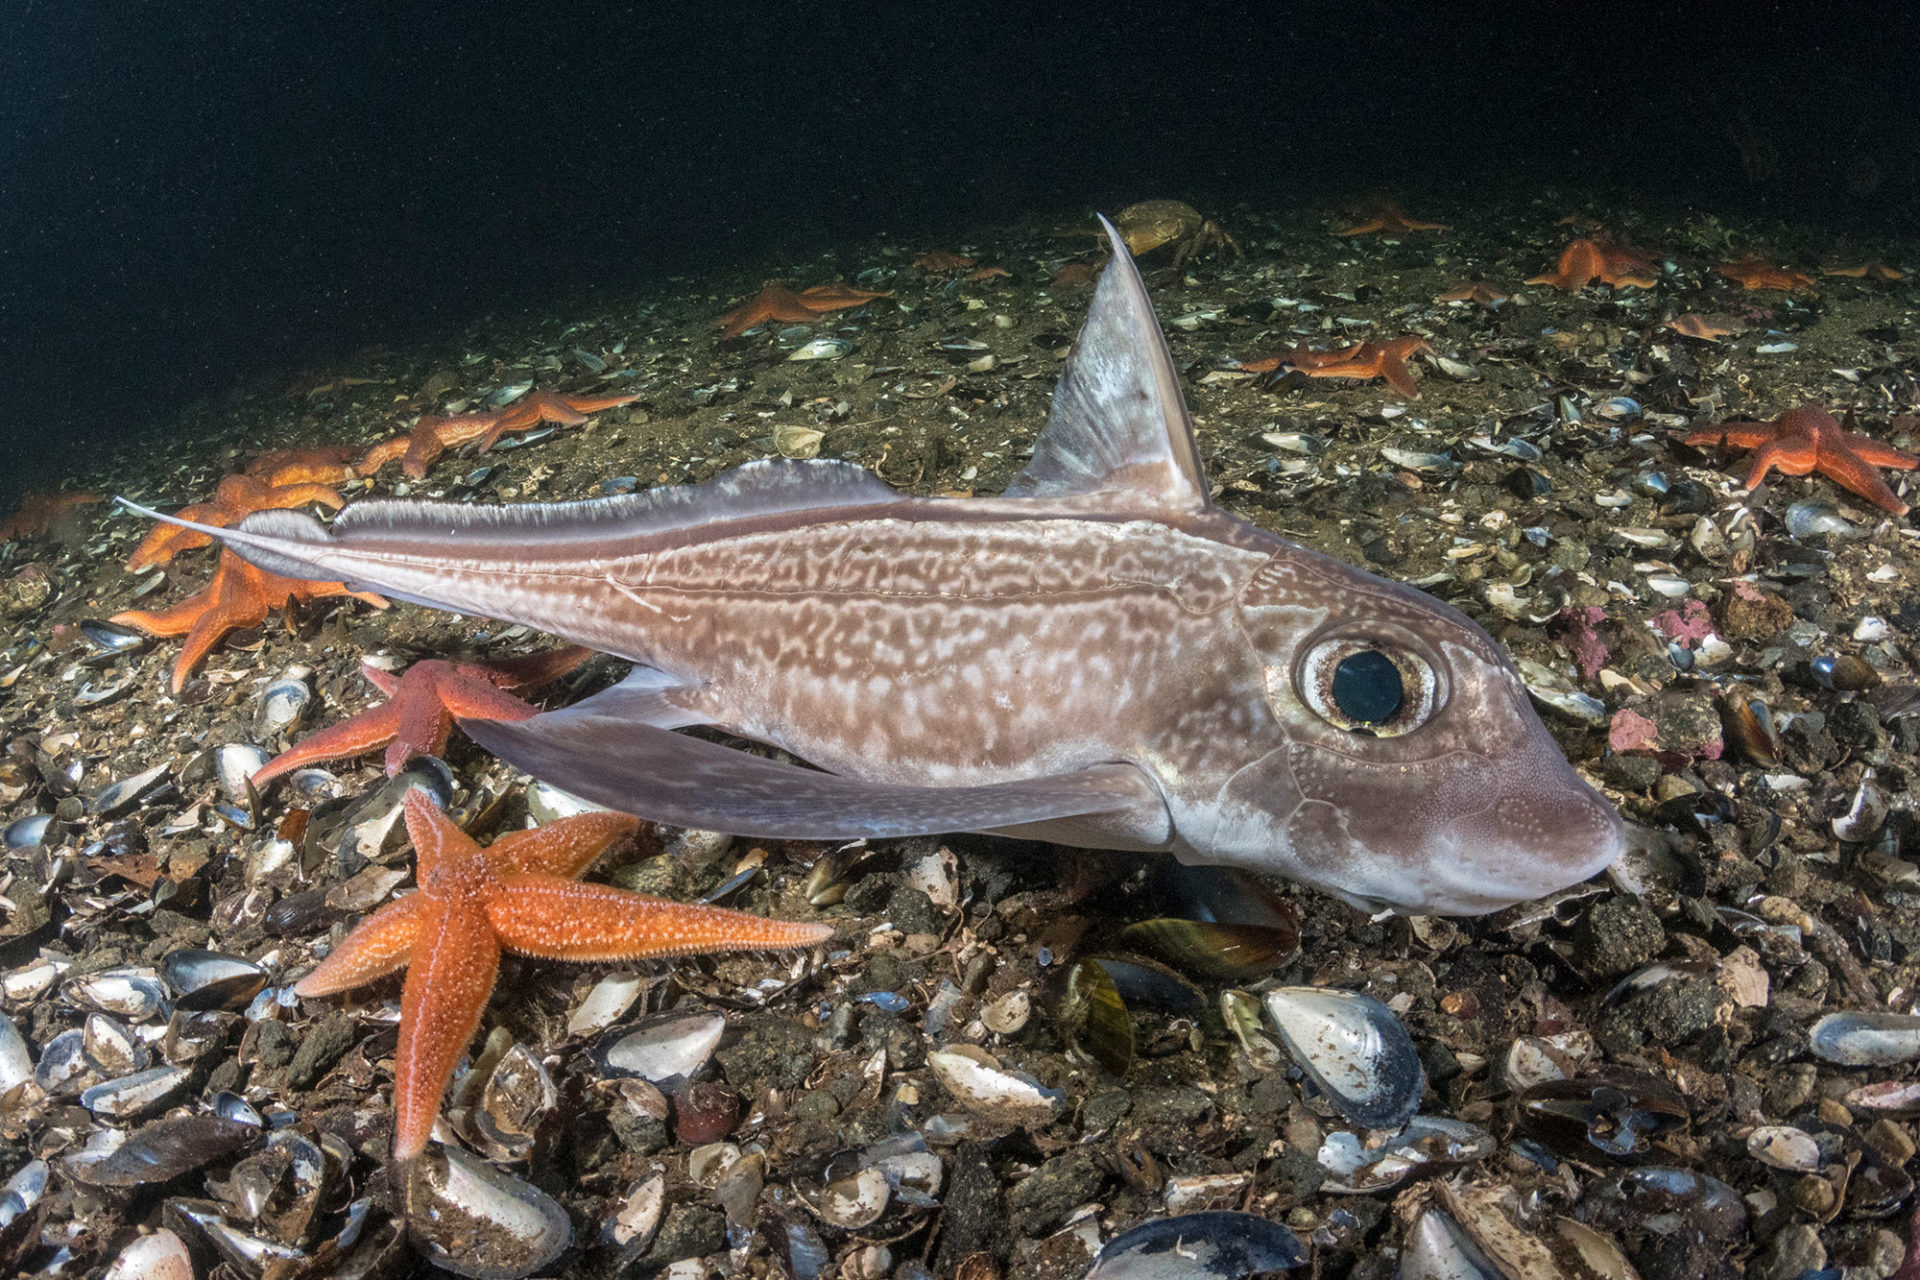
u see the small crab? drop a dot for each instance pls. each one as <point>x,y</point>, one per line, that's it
<point>1152,223</point>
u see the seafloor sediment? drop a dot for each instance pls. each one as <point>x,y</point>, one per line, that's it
<point>1634,1057</point>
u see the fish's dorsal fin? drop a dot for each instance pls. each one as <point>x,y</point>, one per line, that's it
<point>1119,429</point>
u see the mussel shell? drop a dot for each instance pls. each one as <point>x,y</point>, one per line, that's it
<point>111,637</point>
<point>234,764</point>
<point>35,828</point>
<point>117,798</point>
<point>164,1150</point>
<point>1218,952</point>
<point>1748,725</point>
<point>1354,1049</point>
<point>210,980</point>
<point>1096,1018</point>
<point>466,1217</point>
<point>1866,1038</point>
<point>517,1096</point>
<point>16,1059</point>
<point>1618,1119</point>
<point>674,1046</point>
<point>1843,673</point>
<point>1428,1143</point>
<point>1212,1245</point>
<point>133,1095</point>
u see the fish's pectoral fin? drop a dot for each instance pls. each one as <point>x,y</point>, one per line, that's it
<point>683,781</point>
<point>1119,430</point>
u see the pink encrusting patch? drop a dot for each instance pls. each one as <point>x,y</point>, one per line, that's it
<point>1574,628</point>
<point>1631,731</point>
<point>1687,626</point>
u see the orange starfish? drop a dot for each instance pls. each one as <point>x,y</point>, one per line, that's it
<point>234,498</point>
<point>1077,273</point>
<point>536,407</point>
<point>940,262</point>
<point>1587,260</point>
<point>1476,291</point>
<point>989,273</point>
<point>1386,360</point>
<point>1807,439</point>
<point>39,511</point>
<point>1386,215</point>
<point>1871,269</point>
<point>239,595</point>
<point>777,302</point>
<point>434,435</point>
<point>327,464</point>
<point>1754,273</point>
<point>520,894</point>
<point>1695,325</point>
<point>417,716</point>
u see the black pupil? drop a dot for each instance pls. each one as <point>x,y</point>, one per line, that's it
<point>1366,687</point>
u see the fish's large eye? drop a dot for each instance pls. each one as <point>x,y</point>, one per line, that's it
<point>1372,687</point>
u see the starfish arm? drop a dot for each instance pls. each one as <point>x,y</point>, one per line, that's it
<point>354,736</point>
<point>530,671</point>
<point>300,494</point>
<point>1878,454</point>
<point>546,916</point>
<point>1398,376</point>
<point>175,620</point>
<point>165,541</point>
<point>565,848</point>
<point>1848,470</point>
<point>1741,435</point>
<point>379,455</point>
<point>1777,455</point>
<point>380,944</point>
<point>455,962</point>
<point>594,404</point>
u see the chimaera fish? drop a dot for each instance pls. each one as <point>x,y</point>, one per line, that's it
<point>1100,656</point>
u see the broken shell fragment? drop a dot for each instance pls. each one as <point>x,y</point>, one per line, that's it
<point>1199,1246</point>
<point>977,1082</point>
<point>1864,1039</point>
<point>1780,1146</point>
<point>234,764</point>
<point>855,1202</point>
<point>1427,1143</point>
<point>284,703</point>
<point>467,1217</point>
<point>132,1095</point>
<point>517,1096</point>
<point>662,1049</point>
<point>160,1256</point>
<point>135,994</point>
<point>16,1060</point>
<point>1354,1049</point>
<point>117,798</point>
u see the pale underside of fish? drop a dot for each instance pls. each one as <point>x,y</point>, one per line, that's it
<point>1101,657</point>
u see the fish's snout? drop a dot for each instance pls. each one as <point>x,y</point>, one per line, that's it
<point>1553,838</point>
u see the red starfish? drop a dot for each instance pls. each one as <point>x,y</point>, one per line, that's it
<point>238,596</point>
<point>777,302</point>
<point>234,498</point>
<point>1386,215</point>
<point>1476,291</point>
<point>940,262</point>
<point>1361,360</point>
<point>327,464</point>
<point>520,894</point>
<point>417,716</point>
<point>433,436</point>
<point>1871,269</point>
<point>38,511</point>
<point>1807,439</point>
<point>1586,260</point>
<point>1755,273</point>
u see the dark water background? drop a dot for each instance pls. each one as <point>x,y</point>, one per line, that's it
<point>193,195</point>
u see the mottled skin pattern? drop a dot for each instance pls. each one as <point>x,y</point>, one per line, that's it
<point>1103,615</point>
